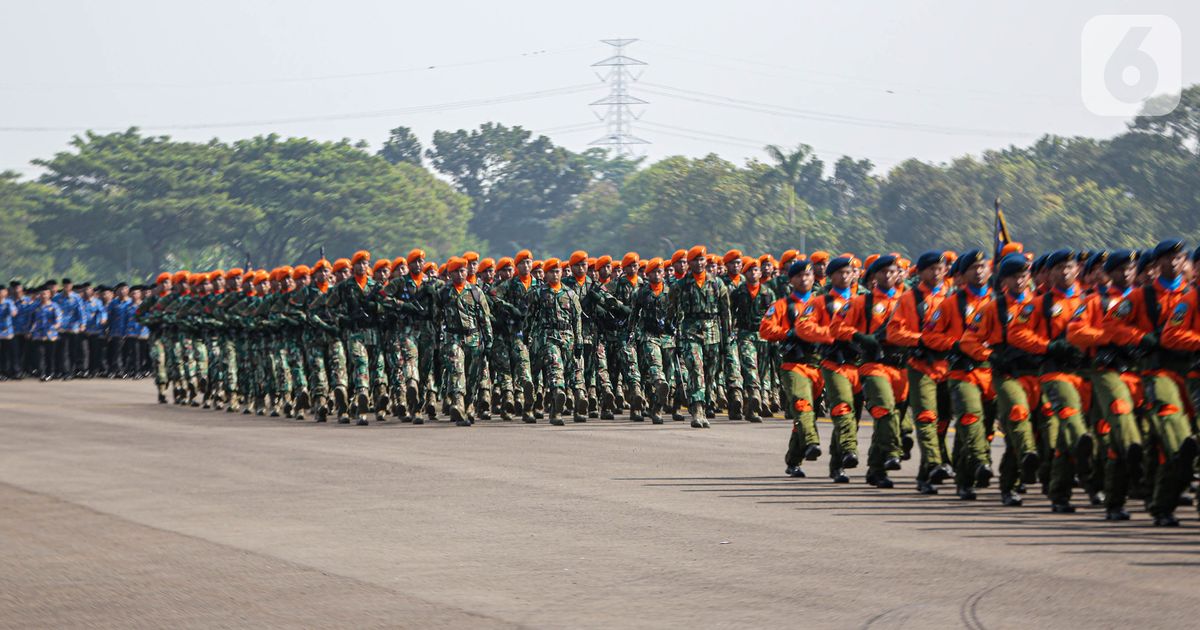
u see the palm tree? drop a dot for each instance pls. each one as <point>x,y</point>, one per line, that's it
<point>788,172</point>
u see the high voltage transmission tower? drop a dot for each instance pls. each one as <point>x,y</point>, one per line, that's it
<point>618,115</point>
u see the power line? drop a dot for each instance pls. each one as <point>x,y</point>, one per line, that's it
<point>793,112</point>
<point>749,143</point>
<point>418,109</point>
<point>283,80</point>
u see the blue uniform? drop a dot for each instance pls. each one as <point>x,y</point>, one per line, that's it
<point>46,321</point>
<point>120,318</point>
<point>8,316</point>
<point>95,316</point>
<point>24,318</point>
<point>70,305</point>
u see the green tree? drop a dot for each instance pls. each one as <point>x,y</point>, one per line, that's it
<point>24,255</point>
<point>401,146</point>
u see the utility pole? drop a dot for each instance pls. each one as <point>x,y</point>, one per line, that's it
<point>618,114</point>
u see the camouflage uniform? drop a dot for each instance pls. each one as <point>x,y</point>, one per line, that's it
<point>466,318</point>
<point>622,353</point>
<point>591,377</point>
<point>510,354</point>
<point>654,335</point>
<point>556,322</point>
<point>360,309</point>
<point>704,317</point>
<point>747,307</point>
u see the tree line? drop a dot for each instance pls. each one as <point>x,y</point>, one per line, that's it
<point>125,205</point>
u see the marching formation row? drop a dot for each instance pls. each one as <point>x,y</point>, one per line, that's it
<point>1086,363</point>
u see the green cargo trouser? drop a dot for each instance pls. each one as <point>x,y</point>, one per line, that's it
<point>880,398</point>
<point>923,405</point>
<point>800,393</point>
<point>1015,413</point>
<point>1170,426</point>
<point>748,346</point>
<point>1062,429</point>
<point>1118,431</point>
<point>701,361</point>
<point>971,448</point>
<point>839,395</point>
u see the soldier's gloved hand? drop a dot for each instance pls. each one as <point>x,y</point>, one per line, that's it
<point>1149,342</point>
<point>867,342</point>
<point>1060,348</point>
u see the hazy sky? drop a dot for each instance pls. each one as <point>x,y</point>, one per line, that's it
<point>881,80</point>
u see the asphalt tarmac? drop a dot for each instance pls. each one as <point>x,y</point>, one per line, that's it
<point>116,512</point>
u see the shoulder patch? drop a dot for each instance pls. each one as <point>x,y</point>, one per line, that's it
<point>771,311</point>
<point>1082,308</point>
<point>1124,309</point>
<point>879,308</point>
<point>1056,310</point>
<point>808,309</point>
<point>845,308</point>
<point>1025,314</point>
<point>1178,314</point>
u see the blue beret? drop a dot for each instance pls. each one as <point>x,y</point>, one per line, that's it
<point>1058,257</point>
<point>968,258</point>
<point>1145,257</point>
<point>841,262</point>
<point>1094,259</point>
<point>929,259</point>
<point>1169,247</point>
<point>1118,258</point>
<point>1038,263</point>
<point>881,263</point>
<point>1011,265</point>
<point>798,267</point>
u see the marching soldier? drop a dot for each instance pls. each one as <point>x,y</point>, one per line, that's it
<point>464,313</point>
<point>556,321</point>
<point>697,303</point>
<point>748,304</point>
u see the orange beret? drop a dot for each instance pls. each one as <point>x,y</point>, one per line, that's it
<point>904,263</point>
<point>551,263</point>
<point>340,264</point>
<point>320,264</point>
<point>764,259</point>
<point>714,259</point>
<point>698,251</point>
<point>1012,248</point>
<point>196,278</point>
<point>442,269</point>
<point>950,255</point>
<point>455,263</point>
<point>731,256</point>
<point>679,255</point>
<point>748,262</point>
<point>162,277</point>
<point>285,272</point>
<point>180,277</point>
<point>524,254</point>
<point>504,262</point>
<point>563,264</point>
<point>399,260</point>
<point>654,263</point>
<point>487,263</point>
<point>577,256</point>
<point>216,274</point>
<point>537,264</point>
<point>799,257</point>
<point>846,255</point>
<point>786,257</point>
<point>236,272</point>
<point>642,264</point>
<point>630,258</point>
<point>819,257</point>
<point>870,259</point>
<point>261,276</point>
<point>301,271</point>
<point>429,266</point>
<point>361,254</point>
<point>602,261</point>
<point>471,256</point>
<point>415,254</point>
<point>382,263</point>
<point>855,262</point>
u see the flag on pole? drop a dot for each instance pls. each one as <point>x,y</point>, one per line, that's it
<point>1001,232</point>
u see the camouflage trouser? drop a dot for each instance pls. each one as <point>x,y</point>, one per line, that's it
<point>259,383</point>
<point>731,374</point>
<point>335,357</point>
<point>314,363</point>
<point>365,366</point>
<point>200,356</point>
<point>749,346</point>
<point>518,358</point>
<point>554,357</point>
<point>658,359</point>
<point>229,366</point>
<point>158,359</point>
<point>293,353</point>
<point>500,360</point>
<point>428,365</point>
<point>702,361</point>
<point>462,361</point>
<point>401,358</point>
<point>595,368</point>
<point>216,363</point>
<point>281,373</point>
<point>623,360</point>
